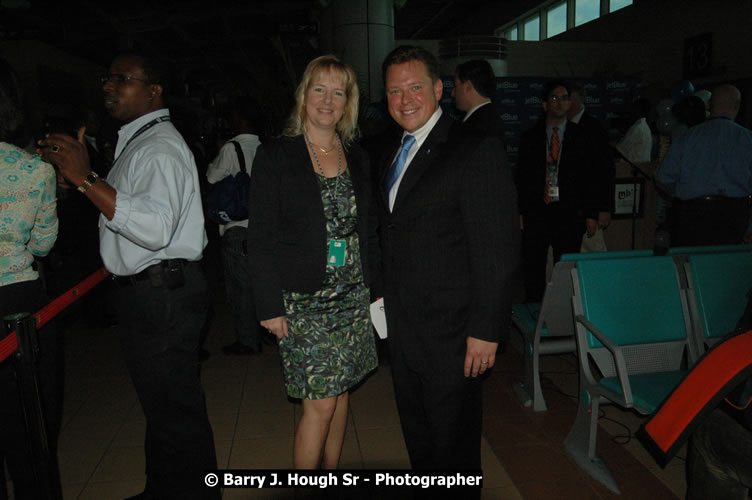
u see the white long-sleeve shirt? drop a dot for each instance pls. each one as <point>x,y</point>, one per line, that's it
<point>226,163</point>
<point>158,211</point>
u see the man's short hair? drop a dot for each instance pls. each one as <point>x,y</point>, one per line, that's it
<point>549,87</point>
<point>157,70</point>
<point>249,110</point>
<point>480,73</point>
<point>641,107</point>
<point>407,53</point>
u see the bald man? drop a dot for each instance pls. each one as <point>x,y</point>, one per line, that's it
<point>708,171</point>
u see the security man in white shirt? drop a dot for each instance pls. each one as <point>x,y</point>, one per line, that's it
<point>152,237</point>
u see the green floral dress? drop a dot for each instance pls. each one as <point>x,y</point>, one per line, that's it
<point>330,346</point>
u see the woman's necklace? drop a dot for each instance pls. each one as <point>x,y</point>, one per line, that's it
<point>325,151</point>
<point>332,196</point>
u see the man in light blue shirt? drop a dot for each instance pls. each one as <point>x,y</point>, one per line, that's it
<point>708,171</point>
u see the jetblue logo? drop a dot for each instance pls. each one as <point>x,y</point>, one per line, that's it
<point>616,85</point>
<point>508,102</point>
<point>536,86</point>
<point>590,86</point>
<point>508,85</point>
<point>510,117</point>
<point>533,100</point>
<point>593,100</point>
<point>617,100</point>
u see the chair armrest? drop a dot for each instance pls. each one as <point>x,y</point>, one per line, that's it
<point>616,352</point>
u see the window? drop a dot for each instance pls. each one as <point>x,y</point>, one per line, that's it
<point>586,10</point>
<point>615,5</point>
<point>556,19</point>
<point>511,33</point>
<point>531,29</point>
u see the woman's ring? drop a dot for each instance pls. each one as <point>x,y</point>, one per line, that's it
<point>55,148</point>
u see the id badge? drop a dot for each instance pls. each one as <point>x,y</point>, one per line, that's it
<point>337,252</point>
<point>553,192</point>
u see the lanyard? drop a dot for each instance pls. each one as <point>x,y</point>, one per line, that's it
<point>140,131</point>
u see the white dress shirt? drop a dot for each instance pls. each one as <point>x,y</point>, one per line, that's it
<point>227,163</point>
<point>158,212</point>
<point>420,137</point>
<point>576,118</point>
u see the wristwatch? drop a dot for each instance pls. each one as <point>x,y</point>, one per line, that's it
<point>91,178</point>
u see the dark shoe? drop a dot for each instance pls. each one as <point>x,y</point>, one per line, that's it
<point>238,349</point>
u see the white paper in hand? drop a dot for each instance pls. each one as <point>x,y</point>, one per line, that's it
<point>378,317</point>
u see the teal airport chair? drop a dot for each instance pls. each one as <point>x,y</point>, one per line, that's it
<point>741,247</point>
<point>718,284</point>
<point>548,327</point>
<point>632,324</point>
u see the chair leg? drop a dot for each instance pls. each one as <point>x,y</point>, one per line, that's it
<point>529,391</point>
<point>581,440</point>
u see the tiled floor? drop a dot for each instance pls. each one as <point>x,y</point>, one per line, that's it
<point>101,453</point>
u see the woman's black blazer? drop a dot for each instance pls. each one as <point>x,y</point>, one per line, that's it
<point>287,244</point>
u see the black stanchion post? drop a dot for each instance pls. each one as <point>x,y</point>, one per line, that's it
<point>25,360</point>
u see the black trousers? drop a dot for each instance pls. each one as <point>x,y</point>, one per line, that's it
<point>558,226</point>
<point>160,331</point>
<point>238,286</point>
<point>28,296</point>
<point>713,221</point>
<point>440,409</point>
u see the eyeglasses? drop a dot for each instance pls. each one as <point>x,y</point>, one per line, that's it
<point>554,98</point>
<point>118,79</point>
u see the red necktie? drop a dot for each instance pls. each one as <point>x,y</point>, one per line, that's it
<point>552,164</point>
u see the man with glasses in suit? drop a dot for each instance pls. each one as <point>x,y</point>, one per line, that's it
<point>562,188</point>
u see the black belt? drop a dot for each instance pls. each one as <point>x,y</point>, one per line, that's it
<point>154,273</point>
<point>700,199</point>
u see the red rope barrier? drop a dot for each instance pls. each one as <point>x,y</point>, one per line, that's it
<point>10,343</point>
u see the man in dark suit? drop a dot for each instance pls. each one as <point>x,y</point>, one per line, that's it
<point>449,234</point>
<point>562,188</point>
<point>474,84</point>
<point>601,148</point>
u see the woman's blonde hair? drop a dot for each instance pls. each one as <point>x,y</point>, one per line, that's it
<point>347,126</point>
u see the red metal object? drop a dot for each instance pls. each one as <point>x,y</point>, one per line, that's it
<point>10,343</point>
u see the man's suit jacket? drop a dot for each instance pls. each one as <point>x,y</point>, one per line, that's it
<point>585,186</point>
<point>449,247</point>
<point>601,149</point>
<point>485,121</point>
<point>287,241</point>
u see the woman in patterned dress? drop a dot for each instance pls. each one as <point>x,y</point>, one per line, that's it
<point>28,228</point>
<point>308,238</point>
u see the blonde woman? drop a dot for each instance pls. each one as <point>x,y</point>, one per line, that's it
<point>308,235</point>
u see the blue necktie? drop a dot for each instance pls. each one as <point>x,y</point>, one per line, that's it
<point>399,165</point>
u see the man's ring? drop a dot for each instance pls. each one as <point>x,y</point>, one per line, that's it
<point>484,362</point>
<point>54,148</point>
